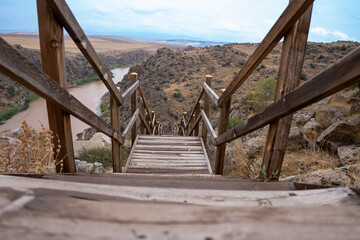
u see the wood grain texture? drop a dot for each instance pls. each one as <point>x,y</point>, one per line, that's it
<point>133,107</point>
<point>144,100</point>
<point>18,68</point>
<point>197,114</point>
<point>208,125</point>
<point>195,125</point>
<point>130,91</point>
<point>115,145</point>
<point>342,74</point>
<point>291,64</point>
<point>130,124</point>
<point>211,94</point>
<point>194,109</point>
<point>285,22</point>
<point>51,38</point>
<point>68,20</point>
<point>206,109</point>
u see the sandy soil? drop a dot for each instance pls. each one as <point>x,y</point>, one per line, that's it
<point>100,43</point>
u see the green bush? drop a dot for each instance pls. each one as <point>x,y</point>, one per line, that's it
<point>9,112</point>
<point>177,94</point>
<point>83,81</point>
<point>101,155</point>
<point>263,95</point>
<point>234,121</point>
<point>214,106</point>
<point>32,97</point>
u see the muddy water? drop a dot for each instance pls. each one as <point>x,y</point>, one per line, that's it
<point>89,94</point>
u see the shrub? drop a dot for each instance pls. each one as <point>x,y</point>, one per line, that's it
<point>214,106</point>
<point>177,94</point>
<point>163,96</point>
<point>101,155</point>
<point>263,95</point>
<point>9,112</point>
<point>234,121</point>
<point>303,76</point>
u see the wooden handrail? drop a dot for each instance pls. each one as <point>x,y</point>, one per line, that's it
<point>143,120</point>
<point>127,94</point>
<point>184,121</point>
<point>17,67</point>
<point>195,123</point>
<point>68,20</point>
<point>212,95</point>
<point>342,74</point>
<point>193,111</point>
<point>208,125</point>
<point>130,124</point>
<point>144,100</point>
<point>287,19</point>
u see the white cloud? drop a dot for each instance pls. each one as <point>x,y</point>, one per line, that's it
<point>329,34</point>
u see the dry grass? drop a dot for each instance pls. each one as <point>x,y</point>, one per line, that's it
<point>32,153</point>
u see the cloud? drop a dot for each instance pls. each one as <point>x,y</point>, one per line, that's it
<point>329,34</point>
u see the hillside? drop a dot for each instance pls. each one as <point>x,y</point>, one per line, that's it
<point>172,79</point>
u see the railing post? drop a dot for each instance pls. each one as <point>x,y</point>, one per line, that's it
<point>185,121</point>
<point>115,123</point>
<point>223,126</point>
<point>206,109</point>
<point>142,111</point>
<point>291,63</point>
<point>197,113</point>
<point>133,78</point>
<point>53,63</point>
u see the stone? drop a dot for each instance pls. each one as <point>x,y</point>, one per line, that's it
<point>297,140</point>
<point>313,126</point>
<point>302,117</point>
<point>337,135</point>
<point>86,135</point>
<point>85,167</point>
<point>330,115</point>
<point>102,138</point>
<point>16,133</point>
<point>349,154</point>
<point>335,177</point>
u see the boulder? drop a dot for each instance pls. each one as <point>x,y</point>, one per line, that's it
<point>312,129</point>
<point>297,140</point>
<point>335,177</point>
<point>349,154</point>
<point>302,117</point>
<point>337,135</point>
<point>86,135</point>
<point>85,167</point>
<point>16,133</point>
<point>102,138</point>
<point>330,115</point>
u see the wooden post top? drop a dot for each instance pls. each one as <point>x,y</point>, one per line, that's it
<point>209,76</point>
<point>185,113</point>
<point>223,90</point>
<point>133,74</point>
<point>118,88</point>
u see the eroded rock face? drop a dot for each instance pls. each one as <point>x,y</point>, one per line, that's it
<point>101,138</point>
<point>302,117</point>
<point>349,154</point>
<point>86,135</point>
<point>330,115</point>
<point>335,177</point>
<point>297,140</point>
<point>338,134</point>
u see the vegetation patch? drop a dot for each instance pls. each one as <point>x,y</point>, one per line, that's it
<point>84,81</point>
<point>7,113</point>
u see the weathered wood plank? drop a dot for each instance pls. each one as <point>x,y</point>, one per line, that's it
<point>197,113</point>
<point>144,100</point>
<point>52,48</point>
<point>133,107</point>
<point>130,124</point>
<point>169,137</point>
<point>130,155</point>
<point>18,68</point>
<point>115,146</point>
<point>128,93</point>
<point>206,109</point>
<point>291,64</point>
<point>160,167</point>
<point>68,20</point>
<point>182,153</point>
<point>169,142</point>
<point>194,109</point>
<point>342,74</point>
<point>208,125</point>
<point>195,125</point>
<point>212,95</point>
<point>143,120</point>
<point>206,157</point>
<point>285,22</point>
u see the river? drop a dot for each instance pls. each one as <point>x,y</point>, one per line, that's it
<point>89,94</point>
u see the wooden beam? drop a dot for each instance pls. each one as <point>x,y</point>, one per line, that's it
<point>196,123</point>
<point>142,110</point>
<point>206,109</point>
<point>291,64</point>
<point>68,20</point>
<point>223,127</point>
<point>285,22</point>
<point>143,120</point>
<point>212,95</point>
<point>342,74</point>
<point>18,68</point>
<point>197,113</point>
<point>129,92</point>
<point>194,109</point>
<point>52,48</point>
<point>130,124</point>
<point>144,100</point>
<point>208,125</point>
<point>115,145</point>
<point>133,108</point>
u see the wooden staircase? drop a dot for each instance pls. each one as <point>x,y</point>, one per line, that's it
<point>168,154</point>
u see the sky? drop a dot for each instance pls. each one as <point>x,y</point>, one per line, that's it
<point>221,21</point>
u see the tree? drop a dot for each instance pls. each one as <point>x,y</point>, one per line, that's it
<point>264,94</point>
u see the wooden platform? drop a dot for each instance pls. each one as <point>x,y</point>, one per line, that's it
<point>168,154</point>
<point>146,206</point>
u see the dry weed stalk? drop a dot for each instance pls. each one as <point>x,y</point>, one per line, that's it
<point>32,153</point>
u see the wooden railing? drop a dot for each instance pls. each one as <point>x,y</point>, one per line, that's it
<point>293,25</point>
<point>50,83</point>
